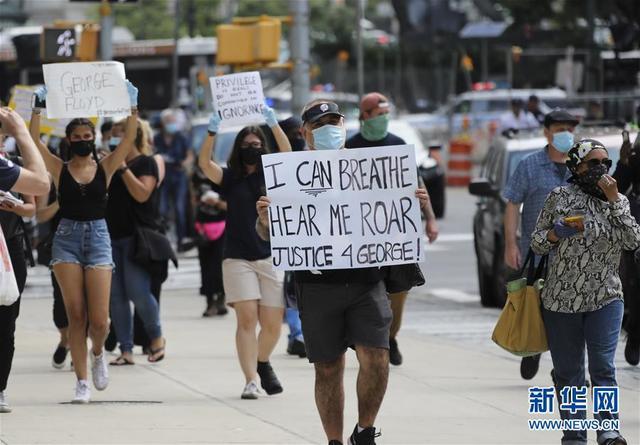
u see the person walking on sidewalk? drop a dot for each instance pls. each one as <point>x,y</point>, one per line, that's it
<point>627,175</point>
<point>253,289</point>
<point>374,132</point>
<point>582,294</point>
<point>341,308</point>
<point>534,178</point>
<point>210,225</point>
<point>133,203</point>
<point>11,214</point>
<point>81,250</point>
<point>175,150</point>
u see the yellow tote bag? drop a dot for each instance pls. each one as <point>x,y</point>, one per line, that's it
<point>520,328</point>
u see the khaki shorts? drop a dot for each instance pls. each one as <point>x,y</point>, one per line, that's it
<point>252,280</point>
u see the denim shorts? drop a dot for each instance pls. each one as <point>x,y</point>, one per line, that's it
<point>86,243</point>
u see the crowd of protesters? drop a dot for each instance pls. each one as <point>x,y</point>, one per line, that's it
<point>104,211</point>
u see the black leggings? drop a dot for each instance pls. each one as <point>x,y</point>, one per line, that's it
<point>59,312</point>
<point>210,256</point>
<point>9,314</point>
<point>629,271</point>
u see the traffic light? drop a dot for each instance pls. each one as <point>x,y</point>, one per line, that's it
<point>89,40</point>
<point>249,40</point>
<point>58,44</point>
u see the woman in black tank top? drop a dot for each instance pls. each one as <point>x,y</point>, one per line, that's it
<point>81,252</point>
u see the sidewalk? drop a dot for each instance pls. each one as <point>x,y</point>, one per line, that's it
<point>445,393</point>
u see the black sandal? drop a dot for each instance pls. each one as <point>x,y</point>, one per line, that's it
<point>122,361</point>
<point>153,352</point>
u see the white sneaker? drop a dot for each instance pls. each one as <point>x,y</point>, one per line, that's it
<point>251,391</point>
<point>99,371</point>
<point>4,405</point>
<point>83,392</point>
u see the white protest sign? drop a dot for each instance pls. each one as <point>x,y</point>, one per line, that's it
<point>238,98</point>
<point>86,89</point>
<point>343,209</point>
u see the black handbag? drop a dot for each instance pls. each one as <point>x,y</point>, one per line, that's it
<point>402,278</point>
<point>150,246</point>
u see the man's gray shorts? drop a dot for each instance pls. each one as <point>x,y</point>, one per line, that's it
<point>337,316</point>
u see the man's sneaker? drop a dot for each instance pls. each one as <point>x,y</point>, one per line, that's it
<point>83,393</point>
<point>4,405</point>
<point>251,391</point>
<point>395,358</point>
<point>296,347</point>
<point>99,371</point>
<point>268,379</point>
<point>529,366</point>
<point>366,437</point>
<point>632,351</point>
<point>59,357</point>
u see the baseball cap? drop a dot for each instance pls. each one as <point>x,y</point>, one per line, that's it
<point>319,110</point>
<point>372,101</point>
<point>560,116</point>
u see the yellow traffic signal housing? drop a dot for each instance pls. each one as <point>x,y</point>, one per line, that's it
<point>267,40</point>
<point>235,44</point>
<point>249,41</point>
<point>88,47</point>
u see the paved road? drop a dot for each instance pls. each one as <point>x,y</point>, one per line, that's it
<point>455,387</point>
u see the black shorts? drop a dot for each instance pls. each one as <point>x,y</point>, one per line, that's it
<point>336,316</point>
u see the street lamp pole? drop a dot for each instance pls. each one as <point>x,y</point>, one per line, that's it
<point>359,52</point>
<point>106,31</point>
<point>299,44</point>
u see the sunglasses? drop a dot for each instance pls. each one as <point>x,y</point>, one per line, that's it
<point>596,162</point>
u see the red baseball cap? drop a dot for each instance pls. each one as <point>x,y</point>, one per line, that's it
<point>371,101</point>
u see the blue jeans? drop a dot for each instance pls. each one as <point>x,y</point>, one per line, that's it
<point>295,325</point>
<point>567,335</point>
<point>131,282</point>
<point>175,184</point>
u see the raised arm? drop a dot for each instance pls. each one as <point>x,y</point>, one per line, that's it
<point>140,188</point>
<point>33,178</point>
<point>51,161</point>
<point>208,166</point>
<point>281,138</point>
<point>114,160</point>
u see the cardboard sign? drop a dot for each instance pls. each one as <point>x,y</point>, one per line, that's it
<point>343,209</point>
<point>86,89</point>
<point>238,98</point>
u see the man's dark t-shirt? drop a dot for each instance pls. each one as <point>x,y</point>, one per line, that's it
<point>173,153</point>
<point>125,213</point>
<point>241,193</point>
<point>9,173</point>
<point>358,141</point>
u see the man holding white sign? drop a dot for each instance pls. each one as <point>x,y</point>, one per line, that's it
<point>331,217</point>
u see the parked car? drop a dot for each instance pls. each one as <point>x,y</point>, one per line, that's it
<point>488,228</point>
<point>429,168</point>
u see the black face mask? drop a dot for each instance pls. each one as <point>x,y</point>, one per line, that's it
<point>250,156</point>
<point>588,181</point>
<point>298,144</point>
<point>82,148</point>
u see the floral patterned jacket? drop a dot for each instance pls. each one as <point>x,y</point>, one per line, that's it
<point>583,274</point>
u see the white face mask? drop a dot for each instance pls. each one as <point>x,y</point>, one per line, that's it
<point>329,137</point>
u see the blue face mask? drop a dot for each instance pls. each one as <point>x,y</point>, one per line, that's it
<point>171,127</point>
<point>329,137</point>
<point>563,141</point>
<point>114,142</point>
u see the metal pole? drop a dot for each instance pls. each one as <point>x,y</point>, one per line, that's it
<point>106,30</point>
<point>174,61</point>
<point>299,43</point>
<point>359,55</point>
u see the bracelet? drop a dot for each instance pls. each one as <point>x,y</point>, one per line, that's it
<point>123,169</point>
<point>36,110</point>
<point>211,133</point>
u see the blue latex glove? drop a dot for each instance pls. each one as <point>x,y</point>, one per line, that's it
<point>564,231</point>
<point>214,123</point>
<point>133,93</point>
<point>270,116</point>
<point>41,93</point>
